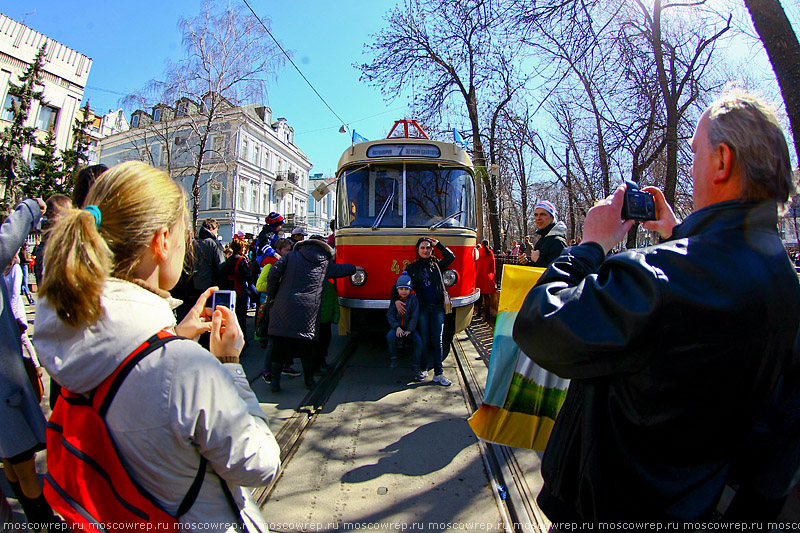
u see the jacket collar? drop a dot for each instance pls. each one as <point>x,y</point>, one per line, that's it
<point>733,214</point>
<point>545,230</point>
<point>204,233</point>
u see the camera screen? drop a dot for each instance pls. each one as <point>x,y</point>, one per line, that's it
<point>223,298</point>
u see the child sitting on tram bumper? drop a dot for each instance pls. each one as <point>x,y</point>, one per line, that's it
<point>405,325</point>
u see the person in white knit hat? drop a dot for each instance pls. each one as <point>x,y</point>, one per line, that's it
<point>552,236</point>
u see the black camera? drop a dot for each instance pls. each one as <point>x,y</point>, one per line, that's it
<point>638,205</point>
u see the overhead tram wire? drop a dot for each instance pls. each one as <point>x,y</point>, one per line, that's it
<point>293,64</point>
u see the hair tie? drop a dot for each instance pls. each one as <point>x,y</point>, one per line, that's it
<point>95,211</point>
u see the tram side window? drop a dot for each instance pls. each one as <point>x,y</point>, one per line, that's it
<point>436,195</point>
<point>367,191</point>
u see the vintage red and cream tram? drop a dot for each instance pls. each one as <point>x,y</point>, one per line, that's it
<point>390,193</point>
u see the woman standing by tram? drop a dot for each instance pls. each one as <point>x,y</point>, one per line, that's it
<point>426,279</point>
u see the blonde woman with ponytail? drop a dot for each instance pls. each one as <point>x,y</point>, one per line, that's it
<point>109,268</point>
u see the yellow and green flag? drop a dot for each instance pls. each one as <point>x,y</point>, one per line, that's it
<point>521,399</point>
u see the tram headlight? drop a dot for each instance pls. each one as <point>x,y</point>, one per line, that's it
<point>359,278</point>
<point>450,277</point>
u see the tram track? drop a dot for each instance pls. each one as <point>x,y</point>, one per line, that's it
<point>514,500</point>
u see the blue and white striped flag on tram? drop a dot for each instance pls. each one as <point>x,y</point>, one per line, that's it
<point>358,138</point>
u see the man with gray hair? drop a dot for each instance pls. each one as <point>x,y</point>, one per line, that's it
<point>673,349</point>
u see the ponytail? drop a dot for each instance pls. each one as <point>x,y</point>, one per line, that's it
<point>133,201</point>
<point>78,261</point>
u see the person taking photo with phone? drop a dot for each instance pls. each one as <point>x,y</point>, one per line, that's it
<point>104,294</point>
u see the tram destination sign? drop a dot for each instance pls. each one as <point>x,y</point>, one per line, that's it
<point>403,150</point>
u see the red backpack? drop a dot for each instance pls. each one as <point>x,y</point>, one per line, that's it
<point>87,482</point>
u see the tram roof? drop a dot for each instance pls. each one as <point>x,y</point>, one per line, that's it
<point>360,153</point>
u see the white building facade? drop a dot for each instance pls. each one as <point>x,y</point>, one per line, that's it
<point>65,73</point>
<point>251,165</point>
<point>102,126</point>
<point>322,211</point>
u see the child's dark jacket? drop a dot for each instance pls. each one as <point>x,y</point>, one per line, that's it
<point>408,321</point>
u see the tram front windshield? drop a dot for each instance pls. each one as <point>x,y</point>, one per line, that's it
<point>436,196</point>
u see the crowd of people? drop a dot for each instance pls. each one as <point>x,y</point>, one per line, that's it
<point>683,356</point>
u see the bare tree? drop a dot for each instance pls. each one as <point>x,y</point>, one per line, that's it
<point>683,53</point>
<point>229,58</point>
<point>451,50</point>
<point>783,48</point>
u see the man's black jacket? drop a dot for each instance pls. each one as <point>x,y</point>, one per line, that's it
<point>672,351</point>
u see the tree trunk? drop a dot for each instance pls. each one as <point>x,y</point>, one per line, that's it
<point>671,179</point>
<point>481,171</point>
<point>783,49</point>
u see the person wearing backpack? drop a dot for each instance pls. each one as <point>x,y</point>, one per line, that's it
<point>182,413</point>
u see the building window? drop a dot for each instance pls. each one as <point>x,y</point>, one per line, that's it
<point>156,115</point>
<point>245,147</point>
<point>254,199</point>
<point>216,195</point>
<point>183,109</point>
<point>47,118</point>
<point>242,197</point>
<point>255,154</point>
<point>8,113</point>
<point>219,145</point>
<point>135,121</point>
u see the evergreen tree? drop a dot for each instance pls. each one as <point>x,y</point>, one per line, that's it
<point>13,140</point>
<point>77,157</point>
<point>47,176</point>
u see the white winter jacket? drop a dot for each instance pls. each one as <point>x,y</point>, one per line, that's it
<point>177,404</point>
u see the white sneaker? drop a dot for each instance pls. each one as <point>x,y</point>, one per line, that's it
<point>421,375</point>
<point>441,380</point>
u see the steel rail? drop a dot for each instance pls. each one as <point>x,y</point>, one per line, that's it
<point>517,507</point>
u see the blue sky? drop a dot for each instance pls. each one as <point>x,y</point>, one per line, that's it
<point>130,41</point>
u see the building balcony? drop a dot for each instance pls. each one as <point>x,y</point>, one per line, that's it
<point>285,175</point>
<point>286,181</point>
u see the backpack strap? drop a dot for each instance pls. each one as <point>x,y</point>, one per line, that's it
<point>105,393</point>
<point>107,390</point>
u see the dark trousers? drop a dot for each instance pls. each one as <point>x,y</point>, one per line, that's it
<point>285,349</point>
<point>323,343</point>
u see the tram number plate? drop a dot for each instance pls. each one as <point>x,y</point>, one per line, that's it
<point>397,269</point>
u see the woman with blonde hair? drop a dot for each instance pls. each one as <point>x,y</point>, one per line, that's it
<point>104,294</point>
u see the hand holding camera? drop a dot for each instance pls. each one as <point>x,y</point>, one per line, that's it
<point>226,336</point>
<point>665,216</point>
<point>198,320</point>
<point>603,223</point>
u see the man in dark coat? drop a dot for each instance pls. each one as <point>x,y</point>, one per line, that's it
<point>294,289</point>
<point>208,257</point>
<point>552,236</point>
<point>674,349</point>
